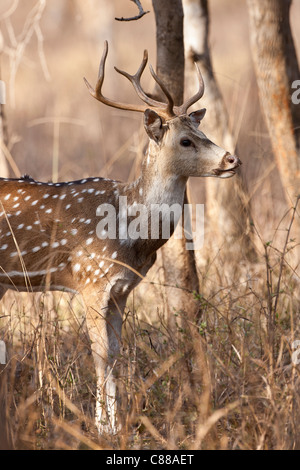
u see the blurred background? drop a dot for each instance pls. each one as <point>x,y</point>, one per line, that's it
<point>55,129</point>
<point>250,310</point>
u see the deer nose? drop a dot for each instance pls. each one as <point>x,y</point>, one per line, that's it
<point>233,160</point>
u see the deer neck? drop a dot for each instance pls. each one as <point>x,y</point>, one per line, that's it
<point>155,189</point>
<point>157,184</point>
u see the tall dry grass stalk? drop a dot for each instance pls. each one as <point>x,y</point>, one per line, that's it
<point>225,382</point>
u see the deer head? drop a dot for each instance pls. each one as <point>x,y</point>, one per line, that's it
<point>183,149</point>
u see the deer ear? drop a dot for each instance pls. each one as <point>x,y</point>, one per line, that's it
<point>153,125</point>
<point>197,117</point>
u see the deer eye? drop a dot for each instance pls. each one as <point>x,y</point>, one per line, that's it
<point>186,143</point>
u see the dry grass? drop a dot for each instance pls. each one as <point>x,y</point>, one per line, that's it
<point>226,382</point>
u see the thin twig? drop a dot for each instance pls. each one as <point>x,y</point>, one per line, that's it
<point>139,16</point>
<point>284,252</point>
<point>16,50</point>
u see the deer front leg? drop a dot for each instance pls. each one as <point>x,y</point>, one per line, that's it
<point>104,323</point>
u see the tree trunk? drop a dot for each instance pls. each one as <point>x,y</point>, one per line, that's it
<point>3,164</point>
<point>227,201</point>
<point>179,263</point>
<point>4,173</point>
<point>5,435</point>
<point>170,46</point>
<point>276,68</point>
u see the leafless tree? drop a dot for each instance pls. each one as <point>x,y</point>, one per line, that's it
<point>276,67</point>
<point>3,134</point>
<point>14,47</point>
<point>179,263</point>
<point>142,12</point>
<point>227,202</point>
<point>5,435</point>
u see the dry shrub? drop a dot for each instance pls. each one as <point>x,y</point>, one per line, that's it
<point>226,381</point>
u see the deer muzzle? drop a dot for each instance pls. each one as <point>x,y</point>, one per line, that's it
<point>229,165</point>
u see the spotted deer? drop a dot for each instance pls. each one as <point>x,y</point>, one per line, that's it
<point>49,238</point>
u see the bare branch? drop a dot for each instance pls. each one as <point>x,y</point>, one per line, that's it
<point>17,45</point>
<point>139,16</point>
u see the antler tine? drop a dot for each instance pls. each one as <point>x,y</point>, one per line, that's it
<point>97,93</point>
<point>183,108</point>
<point>165,110</point>
<point>170,105</point>
<point>136,82</point>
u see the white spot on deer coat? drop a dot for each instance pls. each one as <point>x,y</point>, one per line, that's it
<point>77,268</point>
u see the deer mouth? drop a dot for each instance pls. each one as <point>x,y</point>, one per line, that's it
<point>225,173</point>
<point>231,161</point>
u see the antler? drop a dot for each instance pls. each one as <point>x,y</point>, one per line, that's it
<point>165,110</point>
<point>97,92</point>
<point>185,106</point>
